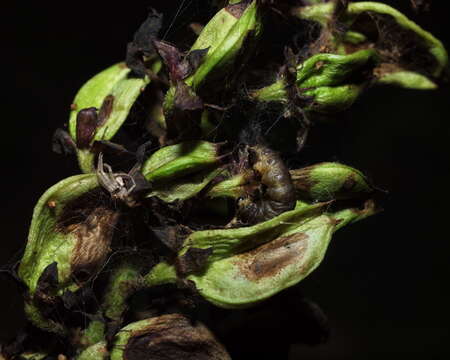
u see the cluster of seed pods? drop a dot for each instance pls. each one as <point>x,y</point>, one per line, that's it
<point>209,212</point>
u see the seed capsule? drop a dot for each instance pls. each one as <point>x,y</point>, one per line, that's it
<point>405,40</point>
<point>249,264</point>
<point>123,282</point>
<point>178,160</point>
<point>232,186</point>
<point>328,80</point>
<point>404,79</point>
<point>112,92</point>
<point>329,181</point>
<point>181,171</point>
<point>230,34</point>
<point>224,36</point>
<point>67,244</point>
<point>167,337</point>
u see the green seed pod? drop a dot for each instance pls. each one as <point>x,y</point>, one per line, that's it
<point>224,36</point>
<point>328,76</point>
<point>100,108</point>
<point>68,242</point>
<point>184,188</point>
<point>329,181</point>
<point>329,100</point>
<point>406,79</point>
<point>97,351</point>
<point>179,172</point>
<point>228,35</point>
<point>333,70</point>
<point>246,265</point>
<point>328,79</point>
<point>405,40</point>
<point>175,161</point>
<point>233,187</point>
<point>250,277</point>
<point>167,337</point>
<point>92,334</point>
<point>124,281</point>
<point>229,242</point>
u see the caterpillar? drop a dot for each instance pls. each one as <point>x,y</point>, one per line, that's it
<point>278,194</point>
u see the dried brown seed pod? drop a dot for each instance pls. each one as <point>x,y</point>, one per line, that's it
<point>167,337</point>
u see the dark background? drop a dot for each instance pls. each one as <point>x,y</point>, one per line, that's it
<point>384,281</point>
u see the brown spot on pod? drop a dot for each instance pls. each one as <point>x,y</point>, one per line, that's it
<point>349,183</point>
<point>174,337</point>
<point>193,260</point>
<point>93,245</point>
<point>105,110</point>
<point>269,259</point>
<point>51,204</point>
<point>237,9</point>
<point>302,180</point>
<point>73,106</point>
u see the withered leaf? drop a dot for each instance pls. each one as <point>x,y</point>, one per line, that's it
<point>87,122</point>
<point>142,43</point>
<point>186,99</point>
<point>195,58</point>
<point>178,67</point>
<point>62,143</point>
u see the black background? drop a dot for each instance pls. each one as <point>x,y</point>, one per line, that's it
<point>385,281</point>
